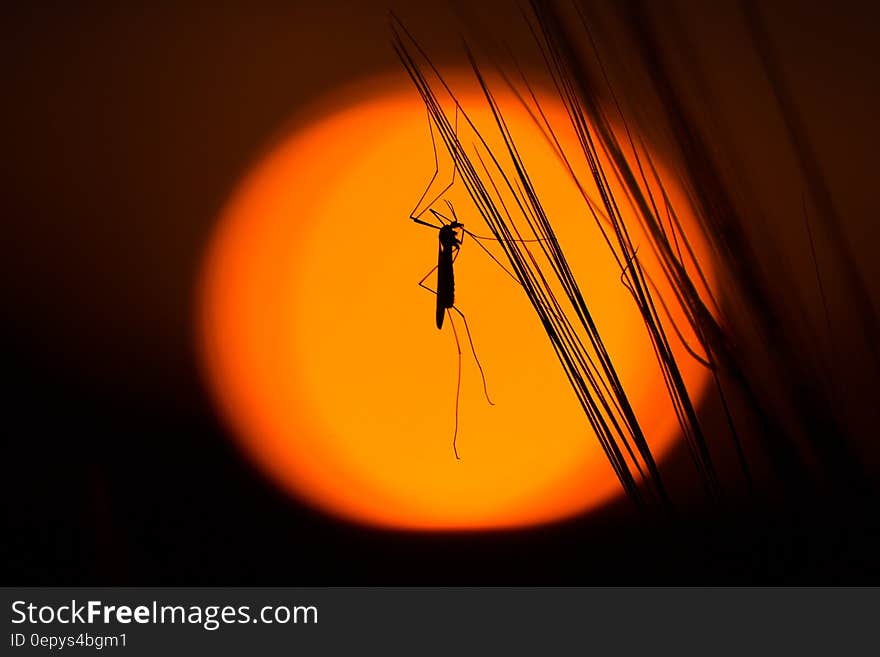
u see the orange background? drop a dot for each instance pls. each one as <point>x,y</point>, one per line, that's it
<point>323,351</point>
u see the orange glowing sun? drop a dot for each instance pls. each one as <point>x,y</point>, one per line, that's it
<point>324,357</point>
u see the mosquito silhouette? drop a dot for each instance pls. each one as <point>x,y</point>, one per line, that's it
<point>451,234</point>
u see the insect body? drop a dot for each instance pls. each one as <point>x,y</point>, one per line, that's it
<point>448,249</point>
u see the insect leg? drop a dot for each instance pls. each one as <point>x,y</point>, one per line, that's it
<point>458,349</point>
<point>469,337</point>
<point>425,277</point>
<point>412,214</point>
<point>425,223</point>
<point>474,352</point>
<point>491,255</point>
<point>457,386</point>
<point>434,292</point>
<point>442,218</point>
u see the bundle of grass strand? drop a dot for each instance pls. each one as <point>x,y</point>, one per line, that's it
<point>538,262</point>
<point>720,225</point>
<point>593,129</point>
<point>792,370</point>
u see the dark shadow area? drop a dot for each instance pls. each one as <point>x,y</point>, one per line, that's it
<point>105,490</point>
